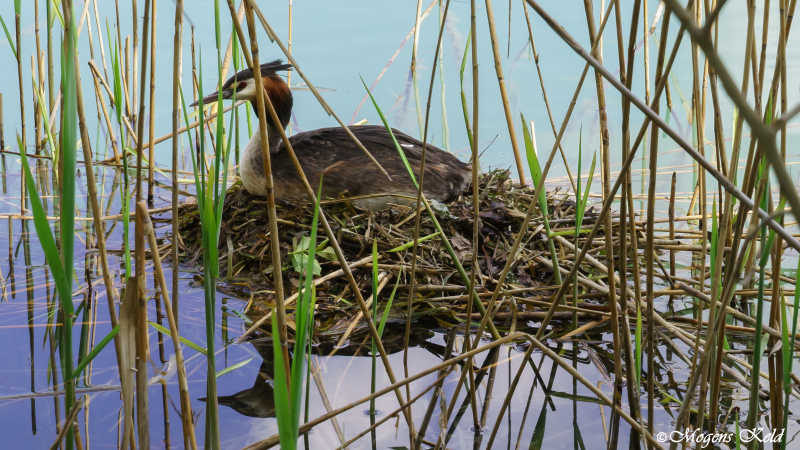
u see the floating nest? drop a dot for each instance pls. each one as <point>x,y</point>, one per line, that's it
<point>440,293</point>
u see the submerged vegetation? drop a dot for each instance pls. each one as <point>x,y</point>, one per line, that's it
<point>671,311</point>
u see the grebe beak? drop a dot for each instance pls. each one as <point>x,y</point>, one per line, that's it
<point>212,98</point>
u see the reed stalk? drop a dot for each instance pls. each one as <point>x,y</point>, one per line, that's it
<point>142,341</point>
<point>597,54</point>
<point>649,243</point>
<point>498,68</point>
<point>183,387</point>
<point>474,273</point>
<point>413,67</point>
<point>176,86</point>
<point>277,274</point>
<point>18,55</point>
<point>151,118</point>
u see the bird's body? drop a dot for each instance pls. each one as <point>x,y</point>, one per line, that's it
<point>332,154</point>
<point>348,172</point>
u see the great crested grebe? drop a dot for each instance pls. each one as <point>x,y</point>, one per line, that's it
<point>348,172</point>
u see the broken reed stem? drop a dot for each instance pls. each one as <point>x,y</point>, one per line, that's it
<point>413,70</point>
<point>183,387</point>
<point>2,131</point>
<point>109,127</point>
<point>698,110</point>
<point>391,61</point>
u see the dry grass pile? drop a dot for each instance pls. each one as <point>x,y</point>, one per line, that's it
<point>441,299</point>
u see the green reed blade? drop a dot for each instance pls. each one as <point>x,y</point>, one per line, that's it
<point>220,201</point>
<point>585,200</point>
<point>233,367</point>
<point>201,157</point>
<point>43,231</point>
<point>283,410</point>
<point>391,134</point>
<point>536,176</point>
<point>47,127</point>
<point>304,318</point>
<point>410,243</point>
<point>69,137</point>
<point>161,329</point>
<point>197,186</point>
<point>9,38</point>
<point>288,399</point>
<point>758,344</point>
<point>55,12</point>
<point>387,308</point>
<point>217,34</point>
<point>533,164</point>
<point>464,107</point>
<point>118,97</point>
<point>95,351</point>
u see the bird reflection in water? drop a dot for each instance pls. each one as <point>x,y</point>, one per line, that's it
<point>258,400</point>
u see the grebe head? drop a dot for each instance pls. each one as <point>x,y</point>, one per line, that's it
<point>243,85</point>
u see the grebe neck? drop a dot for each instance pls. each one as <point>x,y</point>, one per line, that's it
<point>251,160</point>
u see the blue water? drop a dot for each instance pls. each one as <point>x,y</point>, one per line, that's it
<point>336,45</point>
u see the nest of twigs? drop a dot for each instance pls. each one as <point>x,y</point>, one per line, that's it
<point>440,293</point>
